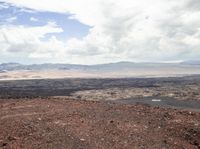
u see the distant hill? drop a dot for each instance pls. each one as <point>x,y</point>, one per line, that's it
<point>119,66</point>
<point>17,66</point>
<point>15,71</point>
<point>191,62</point>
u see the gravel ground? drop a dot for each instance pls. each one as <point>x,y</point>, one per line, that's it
<point>73,124</point>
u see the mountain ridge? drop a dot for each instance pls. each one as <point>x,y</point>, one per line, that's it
<point>107,66</point>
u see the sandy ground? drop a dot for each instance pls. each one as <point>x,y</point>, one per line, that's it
<point>141,73</point>
<point>72,124</point>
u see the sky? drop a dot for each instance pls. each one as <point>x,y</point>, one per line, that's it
<point>99,31</point>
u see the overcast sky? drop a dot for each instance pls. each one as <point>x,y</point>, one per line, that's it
<point>99,31</point>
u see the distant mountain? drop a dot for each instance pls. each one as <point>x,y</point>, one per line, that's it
<point>10,66</point>
<point>17,66</point>
<point>119,66</point>
<point>109,70</point>
<point>191,62</point>
<point>1,71</point>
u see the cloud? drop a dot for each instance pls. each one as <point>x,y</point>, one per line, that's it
<point>152,30</point>
<point>34,19</point>
<point>21,40</point>
<point>193,5</point>
<point>20,34</point>
<point>3,6</point>
<point>11,19</point>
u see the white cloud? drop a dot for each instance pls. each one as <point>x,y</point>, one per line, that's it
<point>21,40</point>
<point>21,34</point>
<point>34,19</point>
<point>3,6</point>
<point>11,19</point>
<point>144,30</point>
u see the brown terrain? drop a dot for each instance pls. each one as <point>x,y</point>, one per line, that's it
<point>57,123</point>
<point>100,113</point>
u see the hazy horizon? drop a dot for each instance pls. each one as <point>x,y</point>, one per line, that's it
<point>141,62</point>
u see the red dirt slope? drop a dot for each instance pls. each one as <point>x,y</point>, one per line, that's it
<point>72,124</point>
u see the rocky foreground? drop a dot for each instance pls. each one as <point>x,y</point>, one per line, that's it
<point>72,124</point>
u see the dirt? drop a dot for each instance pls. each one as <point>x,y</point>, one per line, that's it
<point>100,113</point>
<point>77,124</point>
